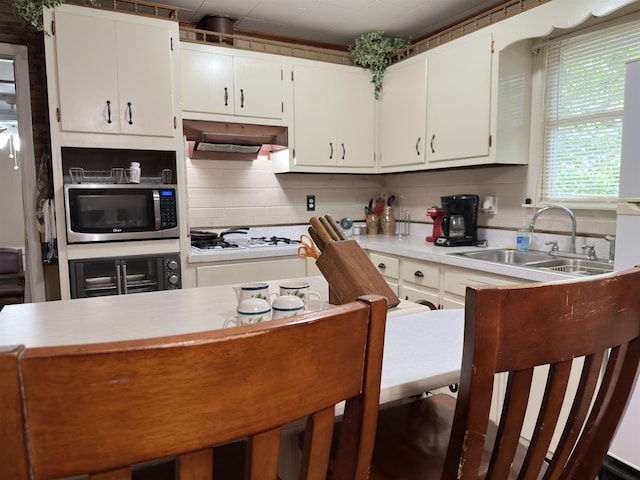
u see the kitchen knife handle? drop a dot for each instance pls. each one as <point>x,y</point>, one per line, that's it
<point>329,228</point>
<point>316,238</point>
<point>335,228</point>
<point>320,230</point>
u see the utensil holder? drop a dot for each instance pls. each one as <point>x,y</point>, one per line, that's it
<point>373,224</point>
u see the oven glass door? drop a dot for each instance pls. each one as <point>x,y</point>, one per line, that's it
<point>111,210</point>
<point>103,277</point>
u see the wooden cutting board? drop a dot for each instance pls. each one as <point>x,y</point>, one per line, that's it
<point>351,274</point>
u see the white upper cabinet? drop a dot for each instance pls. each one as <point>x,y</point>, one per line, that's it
<point>403,111</point>
<point>114,76</point>
<point>334,118</point>
<point>459,101</point>
<point>216,82</point>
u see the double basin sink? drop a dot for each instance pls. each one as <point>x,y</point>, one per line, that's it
<point>573,266</point>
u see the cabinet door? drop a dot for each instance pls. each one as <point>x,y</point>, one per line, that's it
<point>114,77</point>
<point>403,113</point>
<point>459,101</point>
<point>354,119</point>
<point>207,82</point>
<point>258,87</point>
<point>314,120</point>
<point>240,272</point>
<point>145,79</point>
<point>87,73</point>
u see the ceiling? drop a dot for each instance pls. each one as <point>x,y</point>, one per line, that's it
<point>336,22</point>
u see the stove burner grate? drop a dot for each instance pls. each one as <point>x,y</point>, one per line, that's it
<point>273,240</point>
<point>214,243</point>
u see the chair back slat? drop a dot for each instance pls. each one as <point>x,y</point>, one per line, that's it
<point>519,329</point>
<point>551,405</point>
<point>315,455</point>
<point>196,465</point>
<point>264,451</point>
<point>508,435</point>
<point>94,408</point>
<point>580,408</point>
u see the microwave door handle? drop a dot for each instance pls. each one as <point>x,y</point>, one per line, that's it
<point>124,278</point>
<point>156,208</point>
<point>118,279</point>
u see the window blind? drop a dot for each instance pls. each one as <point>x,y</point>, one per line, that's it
<point>584,96</point>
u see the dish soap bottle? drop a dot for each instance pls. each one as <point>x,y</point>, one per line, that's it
<point>523,238</point>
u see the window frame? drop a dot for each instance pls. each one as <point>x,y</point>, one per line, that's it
<point>537,135</point>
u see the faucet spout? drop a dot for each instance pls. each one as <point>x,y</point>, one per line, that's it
<point>564,209</point>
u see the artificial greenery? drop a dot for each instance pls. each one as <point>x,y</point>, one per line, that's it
<point>30,11</point>
<point>374,51</point>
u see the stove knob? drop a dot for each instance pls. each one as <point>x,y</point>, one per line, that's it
<point>172,265</point>
<point>173,279</point>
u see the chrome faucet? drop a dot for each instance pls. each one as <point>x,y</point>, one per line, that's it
<point>568,212</point>
<point>612,247</point>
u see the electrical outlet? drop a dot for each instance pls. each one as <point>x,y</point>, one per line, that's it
<point>311,203</point>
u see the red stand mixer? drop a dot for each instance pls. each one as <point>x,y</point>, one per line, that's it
<point>437,214</point>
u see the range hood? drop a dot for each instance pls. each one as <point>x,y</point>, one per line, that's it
<point>232,141</point>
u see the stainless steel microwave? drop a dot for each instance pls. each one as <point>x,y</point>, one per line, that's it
<point>106,213</point>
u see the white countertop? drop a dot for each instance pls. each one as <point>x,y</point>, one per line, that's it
<point>412,246</point>
<point>423,348</point>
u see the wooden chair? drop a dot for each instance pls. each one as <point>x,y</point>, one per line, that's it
<point>101,408</point>
<point>517,329</point>
<point>11,276</point>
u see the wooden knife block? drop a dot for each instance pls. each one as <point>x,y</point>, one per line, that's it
<point>350,274</point>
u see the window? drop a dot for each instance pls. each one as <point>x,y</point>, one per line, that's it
<point>584,94</point>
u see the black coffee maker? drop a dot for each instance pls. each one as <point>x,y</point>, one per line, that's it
<point>460,223</point>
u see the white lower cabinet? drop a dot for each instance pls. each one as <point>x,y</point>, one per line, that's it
<point>389,267</point>
<point>225,273</point>
<point>420,281</point>
<point>456,280</point>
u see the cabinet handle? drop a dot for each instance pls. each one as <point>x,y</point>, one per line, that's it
<point>344,151</point>
<point>418,146</point>
<point>331,150</point>
<point>418,273</point>
<point>241,98</point>
<point>226,97</point>
<point>432,140</point>
<point>382,266</point>
<point>109,111</point>
<point>129,107</point>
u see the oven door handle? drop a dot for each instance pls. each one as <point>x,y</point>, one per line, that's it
<point>125,288</point>
<point>156,209</point>
<point>118,279</point>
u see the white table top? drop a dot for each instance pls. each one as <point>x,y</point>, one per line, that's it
<point>423,348</point>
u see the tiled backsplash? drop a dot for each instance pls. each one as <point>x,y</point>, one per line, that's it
<point>229,193</point>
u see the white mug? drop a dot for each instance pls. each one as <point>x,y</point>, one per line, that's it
<point>250,310</point>
<point>252,290</point>
<point>287,306</point>
<point>302,290</point>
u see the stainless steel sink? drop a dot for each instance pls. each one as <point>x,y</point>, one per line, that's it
<point>506,255</point>
<point>543,260</point>
<point>574,266</point>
